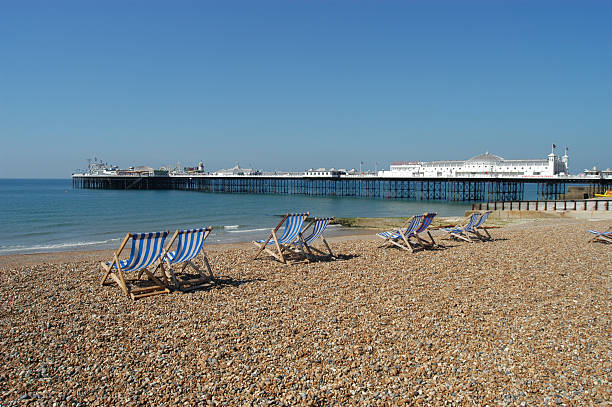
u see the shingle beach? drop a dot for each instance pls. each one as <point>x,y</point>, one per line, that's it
<point>525,319</point>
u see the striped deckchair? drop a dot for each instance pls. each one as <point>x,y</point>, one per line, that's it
<point>146,252</point>
<point>190,244</point>
<point>604,237</point>
<point>306,243</point>
<point>461,231</point>
<point>401,237</point>
<point>293,225</point>
<point>478,226</point>
<point>423,227</point>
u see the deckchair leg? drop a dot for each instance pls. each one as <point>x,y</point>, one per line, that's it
<point>278,256</point>
<point>466,238</point>
<point>433,242</point>
<point>401,246</point>
<point>393,242</point>
<point>156,280</point>
<point>210,273</point>
<point>120,280</point>
<point>328,248</point>
<point>173,278</point>
<point>107,270</point>
<point>407,241</point>
<point>115,276</point>
<point>190,285</point>
<point>487,233</point>
<point>422,242</point>
<point>602,238</point>
<point>262,246</point>
<point>307,252</point>
<point>383,244</point>
<point>280,252</point>
<point>426,243</point>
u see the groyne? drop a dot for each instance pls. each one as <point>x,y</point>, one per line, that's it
<point>546,205</point>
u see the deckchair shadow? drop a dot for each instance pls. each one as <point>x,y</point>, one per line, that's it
<point>344,257</point>
<point>221,282</point>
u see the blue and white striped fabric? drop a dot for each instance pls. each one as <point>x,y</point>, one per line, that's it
<point>482,219</point>
<point>467,228</point>
<point>293,226</point>
<point>428,218</point>
<point>598,233</point>
<point>317,230</point>
<point>410,229</point>
<point>189,245</point>
<point>146,248</point>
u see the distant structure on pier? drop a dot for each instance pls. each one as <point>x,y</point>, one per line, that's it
<point>483,165</point>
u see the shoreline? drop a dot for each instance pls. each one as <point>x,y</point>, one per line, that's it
<point>368,228</point>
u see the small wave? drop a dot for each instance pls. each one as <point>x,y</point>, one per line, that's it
<point>247,230</point>
<point>231,226</point>
<point>53,247</point>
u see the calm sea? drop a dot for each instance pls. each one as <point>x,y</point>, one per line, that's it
<point>41,215</point>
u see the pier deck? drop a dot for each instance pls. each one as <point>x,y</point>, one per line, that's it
<point>444,189</point>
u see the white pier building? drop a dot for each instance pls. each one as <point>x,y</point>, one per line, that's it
<point>483,165</point>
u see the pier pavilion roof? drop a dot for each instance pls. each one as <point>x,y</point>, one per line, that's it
<point>486,158</point>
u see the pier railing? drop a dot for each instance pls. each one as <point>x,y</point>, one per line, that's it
<point>554,205</point>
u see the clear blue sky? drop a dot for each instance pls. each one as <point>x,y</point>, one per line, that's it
<point>299,84</point>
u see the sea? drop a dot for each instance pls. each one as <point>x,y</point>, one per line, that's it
<point>45,215</point>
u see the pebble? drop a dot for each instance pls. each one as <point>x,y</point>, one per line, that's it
<point>523,320</point>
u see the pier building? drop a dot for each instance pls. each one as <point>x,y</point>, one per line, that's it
<point>483,165</point>
<point>485,177</point>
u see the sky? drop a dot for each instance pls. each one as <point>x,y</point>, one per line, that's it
<point>292,85</point>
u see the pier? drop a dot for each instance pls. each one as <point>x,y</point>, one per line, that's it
<point>443,189</point>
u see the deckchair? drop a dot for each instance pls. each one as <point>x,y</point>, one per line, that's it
<point>423,227</point>
<point>400,237</point>
<point>461,231</point>
<point>293,225</point>
<point>605,237</point>
<point>146,252</point>
<point>190,244</point>
<point>478,227</point>
<point>306,243</point>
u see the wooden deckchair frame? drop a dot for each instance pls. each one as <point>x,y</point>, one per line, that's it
<point>462,225</point>
<point>422,241</point>
<point>475,230</point>
<point>280,248</point>
<point>406,239</point>
<point>602,237</point>
<point>309,248</point>
<point>186,285</point>
<point>118,276</point>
